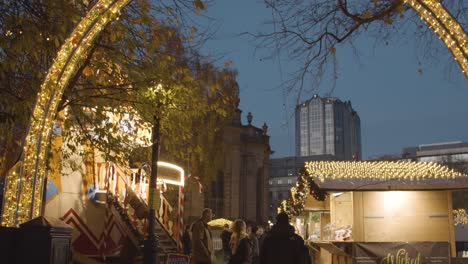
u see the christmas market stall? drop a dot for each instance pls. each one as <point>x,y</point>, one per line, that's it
<point>376,211</point>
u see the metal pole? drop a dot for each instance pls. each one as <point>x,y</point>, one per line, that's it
<point>44,196</point>
<point>151,243</point>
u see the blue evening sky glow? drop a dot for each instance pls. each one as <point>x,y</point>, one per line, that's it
<point>398,106</point>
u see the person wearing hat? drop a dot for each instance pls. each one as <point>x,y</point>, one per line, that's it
<point>282,245</point>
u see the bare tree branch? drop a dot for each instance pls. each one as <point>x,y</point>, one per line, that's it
<point>323,26</point>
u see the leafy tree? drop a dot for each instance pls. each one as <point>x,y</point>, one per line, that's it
<point>146,61</point>
<point>30,34</point>
<point>313,31</point>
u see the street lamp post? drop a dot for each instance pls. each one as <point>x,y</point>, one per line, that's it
<point>151,243</point>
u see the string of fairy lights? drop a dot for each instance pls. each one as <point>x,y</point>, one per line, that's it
<point>380,170</point>
<point>23,197</point>
<point>375,171</point>
<point>295,204</point>
<point>447,28</point>
<point>460,217</point>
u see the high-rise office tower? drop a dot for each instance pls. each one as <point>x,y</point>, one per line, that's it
<point>328,126</point>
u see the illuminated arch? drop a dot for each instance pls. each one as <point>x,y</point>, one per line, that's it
<point>446,27</point>
<point>23,192</point>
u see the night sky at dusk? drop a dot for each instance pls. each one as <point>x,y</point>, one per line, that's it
<point>398,106</point>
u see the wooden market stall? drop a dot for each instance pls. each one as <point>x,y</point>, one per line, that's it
<point>380,209</point>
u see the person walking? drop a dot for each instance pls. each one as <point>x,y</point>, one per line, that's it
<point>262,232</point>
<point>282,245</point>
<point>202,241</point>
<point>252,231</point>
<point>240,244</point>
<point>225,238</point>
<point>186,241</point>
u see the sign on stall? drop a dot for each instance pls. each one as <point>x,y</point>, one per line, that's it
<point>177,259</point>
<point>401,252</point>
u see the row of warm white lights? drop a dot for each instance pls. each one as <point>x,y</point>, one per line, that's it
<point>174,167</point>
<point>445,17</point>
<point>380,170</point>
<point>455,32</point>
<point>41,122</point>
<point>56,87</point>
<point>453,27</point>
<point>163,179</point>
<point>449,39</point>
<point>441,12</point>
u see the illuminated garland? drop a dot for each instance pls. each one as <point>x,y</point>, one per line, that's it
<point>316,192</point>
<point>446,27</point>
<point>295,204</point>
<point>72,54</point>
<point>380,170</point>
<point>460,217</point>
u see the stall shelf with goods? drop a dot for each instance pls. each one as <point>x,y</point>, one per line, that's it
<point>398,204</point>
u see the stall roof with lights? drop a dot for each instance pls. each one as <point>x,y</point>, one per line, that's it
<point>384,175</point>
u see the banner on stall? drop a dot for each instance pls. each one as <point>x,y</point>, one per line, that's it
<point>177,259</point>
<point>401,252</point>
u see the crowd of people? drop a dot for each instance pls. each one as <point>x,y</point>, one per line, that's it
<point>246,244</point>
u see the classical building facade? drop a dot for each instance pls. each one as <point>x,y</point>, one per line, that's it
<point>246,167</point>
<point>240,186</point>
<point>328,126</point>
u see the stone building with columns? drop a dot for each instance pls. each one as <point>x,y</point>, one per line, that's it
<point>246,167</point>
<point>239,190</point>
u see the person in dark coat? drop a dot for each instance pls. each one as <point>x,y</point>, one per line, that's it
<point>282,245</point>
<point>186,241</point>
<point>225,238</point>
<point>262,236</point>
<point>252,232</point>
<point>240,244</point>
